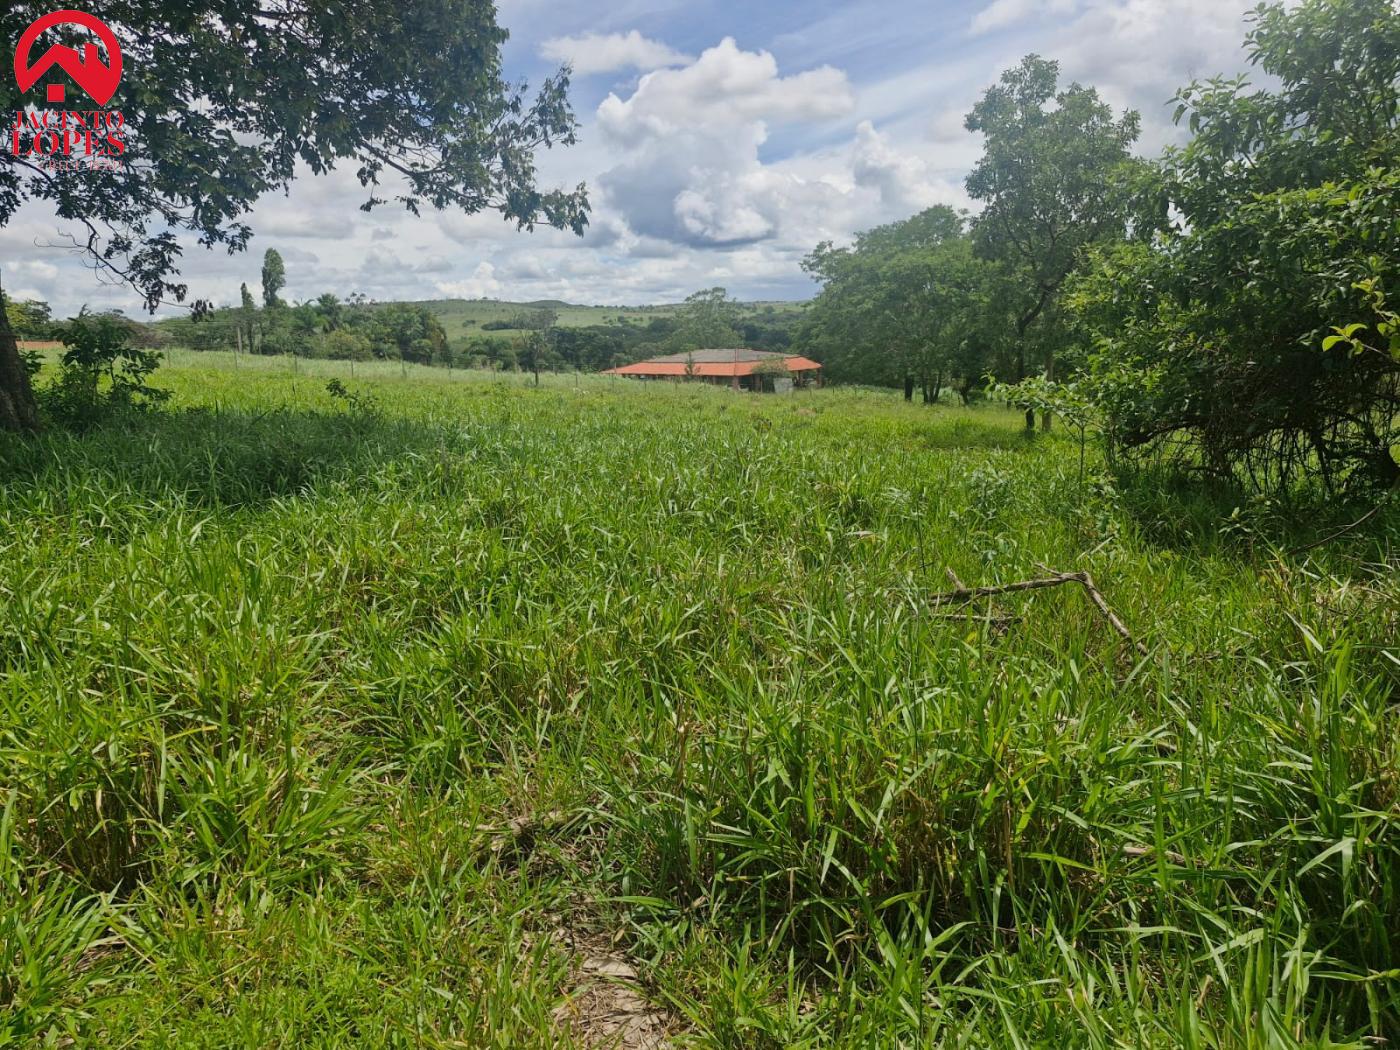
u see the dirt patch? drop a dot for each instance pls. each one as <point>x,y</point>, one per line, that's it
<point>606,1008</point>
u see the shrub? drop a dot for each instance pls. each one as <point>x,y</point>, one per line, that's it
<point>101,372</point>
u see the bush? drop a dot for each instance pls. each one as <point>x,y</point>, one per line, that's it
<point>346,344</point>
<point>101,372</point>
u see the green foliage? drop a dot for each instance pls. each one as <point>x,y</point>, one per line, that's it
<point>100,372</point>
<point>1253,338</point>
<point>401,331</point>
<point>908,304</point>
<point>347,344</point>
<point>274,279</point>
<point>707,321</point>
<point>29,318</point>
<point>1054,176</point>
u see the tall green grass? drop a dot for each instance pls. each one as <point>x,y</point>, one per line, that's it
<point>340,723</point>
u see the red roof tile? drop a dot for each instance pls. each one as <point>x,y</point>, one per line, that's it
<point>727,369</point>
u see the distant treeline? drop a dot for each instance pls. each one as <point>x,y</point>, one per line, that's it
<point>361,330</point>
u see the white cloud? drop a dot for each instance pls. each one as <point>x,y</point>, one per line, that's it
<point>1002,14</point>
<point>690,170</point>
<point>609,52</point>
<point>901,179</point>
<point>482,284</point>
<point>30,268</point>
<point>724,87</point>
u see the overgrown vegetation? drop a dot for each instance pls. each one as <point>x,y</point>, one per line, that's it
<point>1227,311</point>
<point>1253,336</point>
<point>344,716</point>
<point>345,702</point>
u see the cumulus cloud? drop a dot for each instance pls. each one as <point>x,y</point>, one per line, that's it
<point>724,87</point>
<point>725,168</point>
<point>482,284</point>
<point>901,179</point>
<point>1136,52</point>
<point>692,173</point>
<point>1105,42</point>
<point>593,53</point>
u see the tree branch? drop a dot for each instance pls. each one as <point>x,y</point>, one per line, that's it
<point>965,594</point>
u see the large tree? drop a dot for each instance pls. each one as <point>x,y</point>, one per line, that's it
<point>907,304</point>
<point>1052,176</point>
<point>709,320</point>
<point>248,317</point>
<point>227,100</point>
<point>274,278</point>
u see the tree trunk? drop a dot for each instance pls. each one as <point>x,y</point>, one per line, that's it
<point>1021,370</point>
<point>1023,324</point>
<point>908,388</point>
<point>18,409</point>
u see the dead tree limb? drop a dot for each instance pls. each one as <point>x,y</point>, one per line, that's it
<point>965,594</point>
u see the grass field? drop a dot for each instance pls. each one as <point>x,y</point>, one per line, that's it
<point>466,714</point>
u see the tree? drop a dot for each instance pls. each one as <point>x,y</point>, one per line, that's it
<point>407,332</point>
<point>248,317</point>
<point>1053,176</point>
<point>907,305</point>
<point>274,279</point>
<point>332,311</point>
<point>536,348</point>
<point>18,408</point>
<point>1256,338</point>
<point>346,344</point>
<point>224,100</point>
<point>708,321</point>
<point>102,370</point>
<point>28,318</point>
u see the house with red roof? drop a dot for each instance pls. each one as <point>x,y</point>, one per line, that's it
<point>758,370</point>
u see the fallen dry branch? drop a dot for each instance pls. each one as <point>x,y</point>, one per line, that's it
<point>1345,530</point>
<point>964,594</point>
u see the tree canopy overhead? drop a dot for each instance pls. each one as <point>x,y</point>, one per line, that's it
<point>227,100</point>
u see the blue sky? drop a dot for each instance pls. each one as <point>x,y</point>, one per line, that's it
<point>721,141</point>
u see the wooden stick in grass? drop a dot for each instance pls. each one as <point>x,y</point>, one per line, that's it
<point>965,594</point>
<point>1384,501</point>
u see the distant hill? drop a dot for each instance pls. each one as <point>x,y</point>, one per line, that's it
<point>465,317</point>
